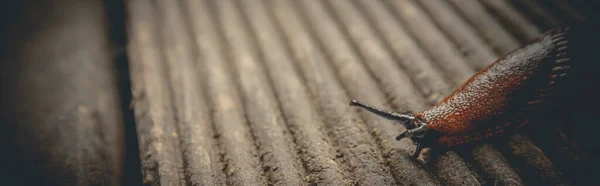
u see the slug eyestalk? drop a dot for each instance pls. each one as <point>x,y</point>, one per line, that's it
<point>416,130</point>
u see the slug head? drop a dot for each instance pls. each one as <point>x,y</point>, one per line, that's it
<point>416,129</point>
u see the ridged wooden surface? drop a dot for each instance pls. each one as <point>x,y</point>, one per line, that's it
<point>241,92</point>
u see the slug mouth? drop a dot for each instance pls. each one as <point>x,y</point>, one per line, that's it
<point>416,130</point>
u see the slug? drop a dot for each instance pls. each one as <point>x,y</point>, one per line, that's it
<point>502,97</point>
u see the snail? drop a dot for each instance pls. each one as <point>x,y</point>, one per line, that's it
<point>504,96</point>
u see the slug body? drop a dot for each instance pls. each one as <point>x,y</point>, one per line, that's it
<point>500,98</point>
<point>504,95</point>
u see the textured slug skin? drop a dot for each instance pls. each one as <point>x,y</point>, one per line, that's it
<point>503,96</point>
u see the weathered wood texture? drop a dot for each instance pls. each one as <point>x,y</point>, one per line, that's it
<point>60,107</point>
<point>242,92</point>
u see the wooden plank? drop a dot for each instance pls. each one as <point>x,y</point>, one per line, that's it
<point>257,92</point>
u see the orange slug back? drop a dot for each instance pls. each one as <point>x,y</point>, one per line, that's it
<point>501,96</point>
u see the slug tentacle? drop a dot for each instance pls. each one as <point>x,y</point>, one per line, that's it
<point>405,120</point>
<point>416,133</point>
<point>418,149</point>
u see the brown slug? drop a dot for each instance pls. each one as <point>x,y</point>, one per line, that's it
<point>502,97</point>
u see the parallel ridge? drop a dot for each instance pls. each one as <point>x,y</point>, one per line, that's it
<point>240,92</point>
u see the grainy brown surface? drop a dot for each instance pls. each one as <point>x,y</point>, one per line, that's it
<point>241,92</point>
